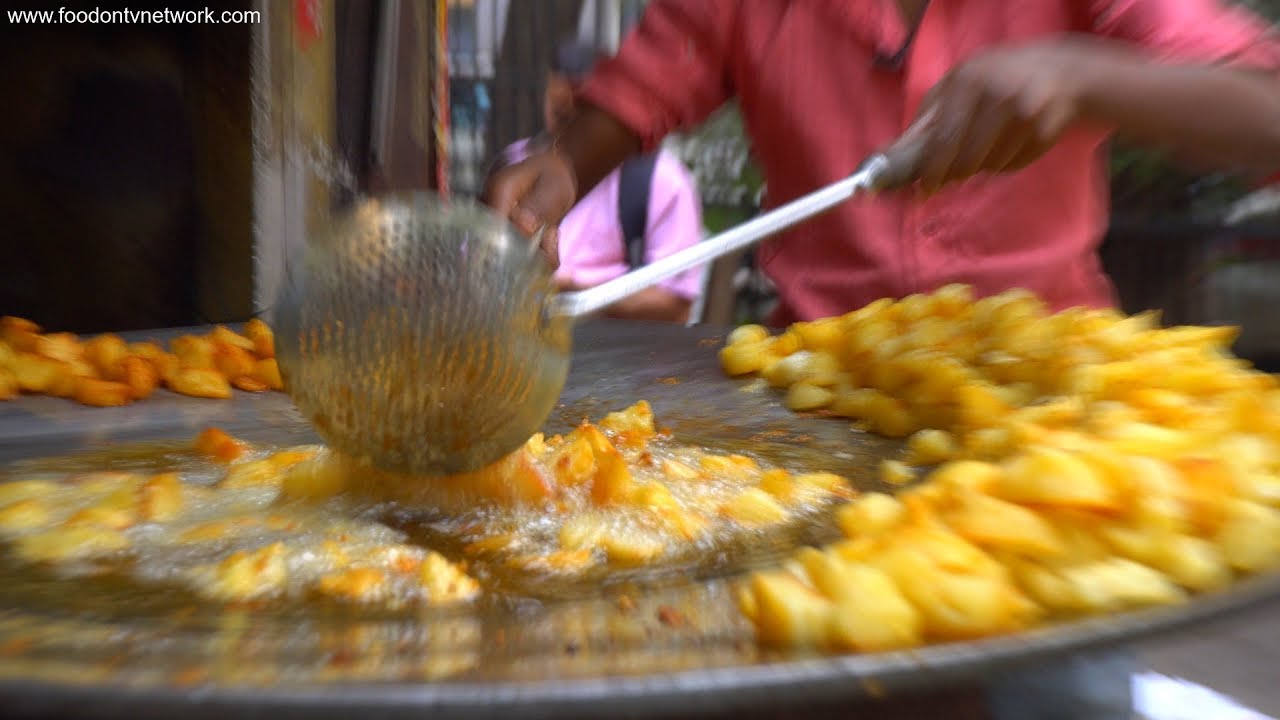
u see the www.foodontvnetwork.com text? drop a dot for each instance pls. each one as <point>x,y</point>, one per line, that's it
<point>67,16</point>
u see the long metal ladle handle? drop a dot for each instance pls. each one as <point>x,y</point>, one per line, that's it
<point>877,173</point>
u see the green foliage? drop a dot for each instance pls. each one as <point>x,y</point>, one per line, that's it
<point>1145,183</point>
<point>1269,9</point>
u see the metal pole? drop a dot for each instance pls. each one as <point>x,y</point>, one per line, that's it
<point>611,24</point>
<point>296,168</point>
<point>440,98</point>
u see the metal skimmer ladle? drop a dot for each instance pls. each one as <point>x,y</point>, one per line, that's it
<point>426,336</point>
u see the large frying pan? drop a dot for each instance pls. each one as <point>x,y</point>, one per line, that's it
<point>75,650</point>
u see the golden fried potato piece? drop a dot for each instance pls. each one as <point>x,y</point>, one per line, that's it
<point>1049,476</point>
<point>107,353</point>
<point>59,346</point>
<point>262,336</point>
<point>786,612</point>
<point>140,375</point>
<point>314,480</point>
<point>223,335</point>
<point>248,383</point>
<point>24,515</point>
<point>217,444</point>
<point>71,543</point>
<point>754,507</point>
<point>167,366</point>
<point>36,373</point>
<point>150,350</point>
<point>160,498</point>
<point>21,334</point>
<point>632,426</point>
<point>999,525</point>
<point>193,352</point>
<point>871,613</point>
<point>267,372</point>
<point>102,393</point>
<point>104,517</point>
<point>200,382</point>
<point>575,461</point>
<point>233,361</point>
<point>247,575</point>
<point>359,584</point>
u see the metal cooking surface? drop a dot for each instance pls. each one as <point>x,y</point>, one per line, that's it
<point>63,652</point>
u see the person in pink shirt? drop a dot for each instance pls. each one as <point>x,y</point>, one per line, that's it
<point>1013,104</point>
<point>1016,99</point>
<point>592,248</point>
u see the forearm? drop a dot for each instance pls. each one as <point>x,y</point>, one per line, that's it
<point>1226,116</point>
<point>595,143</point>
<point>653,303</point>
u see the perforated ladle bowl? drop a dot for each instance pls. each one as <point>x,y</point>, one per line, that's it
<point>411,334</point>
<point>426,335</point>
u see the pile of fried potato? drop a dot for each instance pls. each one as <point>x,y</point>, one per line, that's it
<point>1057,465</point>
<point>106,371</point>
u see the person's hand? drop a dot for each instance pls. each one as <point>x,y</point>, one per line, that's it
<point>535,194</point>
<point>999,111</point>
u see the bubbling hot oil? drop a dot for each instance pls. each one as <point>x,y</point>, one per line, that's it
<point>607,503</point>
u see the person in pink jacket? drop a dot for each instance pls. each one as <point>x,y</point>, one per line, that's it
<point>592,247</point>
<point>1013,104</point>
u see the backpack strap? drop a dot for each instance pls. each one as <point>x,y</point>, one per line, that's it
<point>634,185</point>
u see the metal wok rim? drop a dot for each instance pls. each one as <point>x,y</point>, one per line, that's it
<point>753,685</point>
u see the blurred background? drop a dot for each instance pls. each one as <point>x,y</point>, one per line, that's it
<point>149,175</point>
